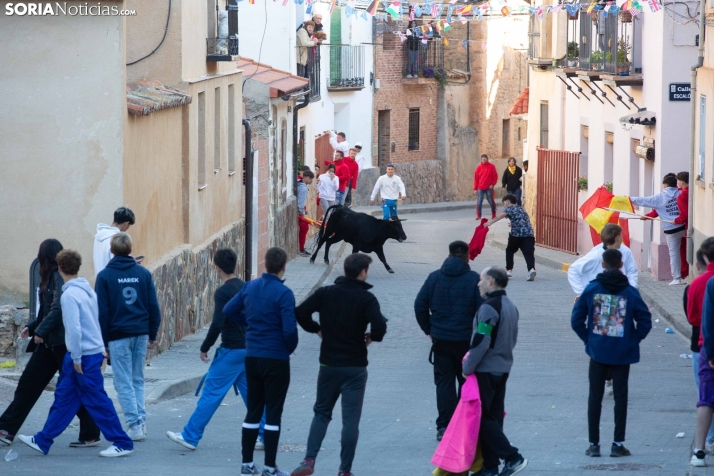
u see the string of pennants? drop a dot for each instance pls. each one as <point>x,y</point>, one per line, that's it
<point>395,9</point>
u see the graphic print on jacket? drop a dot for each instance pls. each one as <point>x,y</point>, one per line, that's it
<point>609,313</point>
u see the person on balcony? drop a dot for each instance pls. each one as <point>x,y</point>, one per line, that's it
<point>317,20</point>
<point>412,45</point>
<point>304,42</point>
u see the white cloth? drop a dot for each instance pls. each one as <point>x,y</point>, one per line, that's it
<point>589,266</point>
<point>665,203</point>
<point>362,162</point>
<point>343,146</point>
<point>389,188</point>
<point>674,241</point>
<point>327,187</point>
<point>102,246</point>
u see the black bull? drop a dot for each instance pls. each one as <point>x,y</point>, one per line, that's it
<point>364,232</point>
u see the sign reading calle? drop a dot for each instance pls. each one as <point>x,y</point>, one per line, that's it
<point>680,92</point>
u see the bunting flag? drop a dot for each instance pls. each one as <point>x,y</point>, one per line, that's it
<point>446,41</point>
<point>252,2</point>
<point>654,5</point>
<point>449,12</point>
<point>434,10</point>
<point>464,10</point>
<point>308,10</point>
<point>424,40</point>
<point>418,11</point>
<point>447,27</point>
<point>595,215</point>
<point>590,8</point>
<point>372,8</point>
<point>332,6</point>
<point>557,8</point>
<point>411,14</point>
<point>393,9</point>
<point>285,2</point>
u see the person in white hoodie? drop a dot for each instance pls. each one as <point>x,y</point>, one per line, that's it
<point>665,204</point>
<point>123,219</point>
<point>390,187</point>
<point>327,186</point>
<point>82,382</point>
<point>586,269</point>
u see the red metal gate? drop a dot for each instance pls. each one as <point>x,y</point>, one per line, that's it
<point>557,200</point>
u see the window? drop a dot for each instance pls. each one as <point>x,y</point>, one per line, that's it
<point>201,141</point>
<point>413,129</point>
<point>609,157</point>
<point>702,136</point>
<point>231,130</point>
<point>506,138</point>
<point>217,131</point>
<point>634,171</point>
<point>544,124</point>
<point>383,137</point>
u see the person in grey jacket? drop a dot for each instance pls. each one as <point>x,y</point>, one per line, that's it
<point>490,358</point>
<point>303,224</point>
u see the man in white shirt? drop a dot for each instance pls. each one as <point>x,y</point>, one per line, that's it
<point>361,161</point>
<point>338,142</point>
<point>123,219</point>
<point>589,266</point>
<point>390,187</point>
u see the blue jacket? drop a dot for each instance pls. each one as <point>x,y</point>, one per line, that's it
<point>448,301</point>
<point>127,300</point>
<point>267,307</point>
<point>611,318</point>
<point>708,320</point>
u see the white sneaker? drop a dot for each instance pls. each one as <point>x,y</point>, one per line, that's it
<point>698,459</point>
<point>608,387</point>
<point>178,438</point>
<point>114,452</point>
<point>136,432</point>
<point>509,273</point>
<point>531,275</point>
<point>259,445</point>
<point>709,449</point>
<point>30,441</point>
<point>676,282</point>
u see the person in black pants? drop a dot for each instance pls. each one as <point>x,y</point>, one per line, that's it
<point>346,309</point>
<point>511,180</point>
<point>521,236</point>
<point>48,350</point>
<point>445,308</point>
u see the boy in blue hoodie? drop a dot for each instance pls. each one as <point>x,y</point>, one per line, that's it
<point>267,307</point>
<point>82,382</point>
<point>129,315</point>
<point>611,319</point>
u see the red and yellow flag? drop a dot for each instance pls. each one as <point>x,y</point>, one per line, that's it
<point>595,215</point>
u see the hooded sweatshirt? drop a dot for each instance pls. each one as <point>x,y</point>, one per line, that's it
<point>102,246</point>
<point>611,319</point>
<point>127,300</point>
<point>448,301</point>
<point>586,269</point>
<point>665,203</point>
<point>80,316</point>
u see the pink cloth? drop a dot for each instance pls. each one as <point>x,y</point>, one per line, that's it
<point>457,450</point>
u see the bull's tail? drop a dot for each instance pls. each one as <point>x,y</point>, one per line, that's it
<point>321,233</point>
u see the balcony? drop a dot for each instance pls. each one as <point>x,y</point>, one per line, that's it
<point>346,68</point>
<point>609,44</point>
<point>535,43</point>
<point>430,63</point>
<point>222,49</point>
<point>311,70</point>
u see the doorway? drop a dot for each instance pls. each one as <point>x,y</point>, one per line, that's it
<point>383,137</point>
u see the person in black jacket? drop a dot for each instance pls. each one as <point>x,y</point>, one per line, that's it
<point>346,309</point>
<point>48,350</point>
<point>412,45</point>
<point>445,308</point>
<point>511,180</point>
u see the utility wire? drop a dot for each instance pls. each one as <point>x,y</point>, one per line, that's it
<point>166,30</point>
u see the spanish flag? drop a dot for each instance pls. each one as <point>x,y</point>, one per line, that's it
<point>595,215</point>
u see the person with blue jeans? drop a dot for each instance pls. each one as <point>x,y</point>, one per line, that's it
<point>412,45</point>
<point>511,180</point>
<point>228,367</point>
<point>130,316</point>
<point>81,381</point>
<point>485,177</point>
<point>390,187</point>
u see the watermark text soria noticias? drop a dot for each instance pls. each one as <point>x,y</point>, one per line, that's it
<point>64,9</point>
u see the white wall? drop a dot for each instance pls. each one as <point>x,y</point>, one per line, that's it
<point>278,42</point>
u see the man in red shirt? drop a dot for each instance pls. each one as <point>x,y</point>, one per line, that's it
<point>343,173</point>
<point>682,219</point>
<point>351,163</point>
<point>485,177</point>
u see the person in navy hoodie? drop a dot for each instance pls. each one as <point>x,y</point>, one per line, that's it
<point>130,316</point>
<point>611,319</point>
<point>267,307</point>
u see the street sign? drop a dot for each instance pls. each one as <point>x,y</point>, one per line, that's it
<point>680,92</point>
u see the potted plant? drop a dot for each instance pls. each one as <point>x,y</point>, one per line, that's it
<point>573,53</point>
<point>582,184</point>
<point>596,58</point>
<point>623,62</point>
<point>428,72</point>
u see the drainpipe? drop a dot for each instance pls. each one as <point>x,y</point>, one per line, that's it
<point>248,249</point>
<point>693,157</point>
<point>305,103</point>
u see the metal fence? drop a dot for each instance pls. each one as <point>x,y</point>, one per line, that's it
<point>431,59</point>
<point>346,66</point>
<point>610,43</point>
<point>222,46</point>
<point>534,37</point>
<point>557,200</point>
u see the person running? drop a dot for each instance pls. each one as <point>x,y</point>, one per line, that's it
<point>84,356</point>
<point>511,180</point>
<point>608,299</point>
<point>303,224</point>
<point>445,309</point>
<point>665,206</point>
<point>327,186</point>
<point>390,187</point>
<point>521,236</point>
<point>267,307</point>
<point>485,178</point>
<point>490,358</point>
<point>346,309</point>
<point>228,367</point>
<point>123,219</point>
<point>130,316</point>
<point>48,349</point>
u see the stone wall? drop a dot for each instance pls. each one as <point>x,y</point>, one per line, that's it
<point>284,227</point>
<point>185,281</point>
<point>12,321</point>
<point>422,181</point>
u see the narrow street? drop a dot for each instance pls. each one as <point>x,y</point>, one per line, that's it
<point>546,400</point>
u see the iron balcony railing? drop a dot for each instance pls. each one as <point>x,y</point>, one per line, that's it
<point>431,59</point>
<point>222,49</point>
<point>533,37</point>
<point>311,70</point>
<point>610,43</point>
<point>346,67</point>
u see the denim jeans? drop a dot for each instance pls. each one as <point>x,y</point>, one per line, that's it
<point>695,367</point>
<point>128,358</point>
<point>389,207</point>
<point>340,197</point>
<point>488,193</point>
<point>226,370</point>
<point>517,193</point>
<point>413,59</point>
